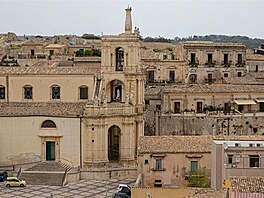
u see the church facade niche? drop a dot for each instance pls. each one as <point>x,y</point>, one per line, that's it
<point>119,59</point>
<point>115,91</point>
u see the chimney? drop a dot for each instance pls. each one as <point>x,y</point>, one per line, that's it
<point>128,22</point>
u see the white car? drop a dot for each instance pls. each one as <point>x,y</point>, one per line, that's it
<point>120,186</point>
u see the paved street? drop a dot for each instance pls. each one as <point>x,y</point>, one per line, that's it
<point>92,188</point>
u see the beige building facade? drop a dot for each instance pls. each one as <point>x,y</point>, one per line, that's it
<point>236,157</point>
<point>80,115</point>
<point>167,161</point>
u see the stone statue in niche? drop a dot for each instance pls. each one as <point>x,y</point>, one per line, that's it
<point>127,99</point>
<point>132,97</point>
<point>105,99</point>
<point>117,95</point>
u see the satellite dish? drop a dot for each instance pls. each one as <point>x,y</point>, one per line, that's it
<point>225,145</point>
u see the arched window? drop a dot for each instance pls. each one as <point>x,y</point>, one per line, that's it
<point>119,59</point>
<point>2,92</point>
<point>48,124</point>
<point>83,92</point>
<point>28,92</point>
<point>55,92</point>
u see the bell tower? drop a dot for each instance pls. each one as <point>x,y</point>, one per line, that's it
<point>114,122</point>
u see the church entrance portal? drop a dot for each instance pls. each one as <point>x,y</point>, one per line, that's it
<point>113,143</point>
<point>50,151</point>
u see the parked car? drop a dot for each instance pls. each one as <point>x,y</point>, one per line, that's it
<point>14,181</point>
<point>120,186</point>
<point>120,195</point>
<point>3,176</point>
<point>123,189</point>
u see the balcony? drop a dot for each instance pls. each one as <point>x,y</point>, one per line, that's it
<point>211,63</point>
<point>226,63</point>
<point>240,64</point>
<point>194,63</point>
<point>209,80</point>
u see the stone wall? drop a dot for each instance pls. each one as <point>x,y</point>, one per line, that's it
<point>204,124</point>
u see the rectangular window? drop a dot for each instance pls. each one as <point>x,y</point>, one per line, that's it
<point>28,92</point>
<point>146,161</point>
<point>158,164</point>
<point>193,58</point>
<point>239,59</point>
<point>150,76</point>
<point>158,183</point>
<point>55,93</point>
<point>147,102</point>
<point>230,159</point>
<point>239,74</point>
<point>158,107</point>
<point>177,107</point>
<point>83,93</point>
<point>199,107</point>
<point>225,59</point>
<point>210,58</point>
<point>240,108</point>
<point>32,52</point>
<point>172,76</point>
<point>210,78</point>
<point>261,106</point>
<point>253,160</point>
<point>194,166</point>
<point>2,93</point>
<point>226,75</point>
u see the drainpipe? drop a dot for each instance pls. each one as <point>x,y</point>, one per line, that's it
<point>81,142</point>
<point>7,88</point>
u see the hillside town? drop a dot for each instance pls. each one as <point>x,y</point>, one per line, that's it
<point>184,119</point>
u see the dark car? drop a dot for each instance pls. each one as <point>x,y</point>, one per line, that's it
<point>120,195</point>
<point>3,176</point>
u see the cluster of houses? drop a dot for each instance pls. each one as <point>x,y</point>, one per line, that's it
<point>158,110</point>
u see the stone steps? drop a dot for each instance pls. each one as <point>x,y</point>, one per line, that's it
<point>45,173</point>
<point>49,166</point>
<point>43,178</point>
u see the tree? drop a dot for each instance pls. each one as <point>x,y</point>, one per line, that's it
<point>199,178</point>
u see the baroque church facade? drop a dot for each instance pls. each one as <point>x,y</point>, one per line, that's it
<point>80,116</point>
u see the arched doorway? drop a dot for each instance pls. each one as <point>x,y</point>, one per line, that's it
<point>114,133</point>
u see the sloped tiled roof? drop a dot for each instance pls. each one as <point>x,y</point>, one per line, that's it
<point>240,138</point>
<point>175,144</point>
<point>247,184</point>
<point>217,88</point>
<point>64,109</point>
<point>47,70</point>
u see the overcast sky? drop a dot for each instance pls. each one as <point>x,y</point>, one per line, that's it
<point>167,18</point>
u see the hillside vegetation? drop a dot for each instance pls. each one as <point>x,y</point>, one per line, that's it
<point>249,42</point>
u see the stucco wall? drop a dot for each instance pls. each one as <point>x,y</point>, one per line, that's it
<point>21,142</point>
<point>42,87</point>
<point>175,167</point>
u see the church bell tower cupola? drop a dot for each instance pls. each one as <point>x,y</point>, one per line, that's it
<point>128,22</point>
<point>118,109</point>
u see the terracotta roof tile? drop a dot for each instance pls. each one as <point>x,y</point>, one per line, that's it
<point>175,144</point>
<point>47,70</point>
<point>217,88</point>
<point>247,184</point>
<point>65,109</point>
